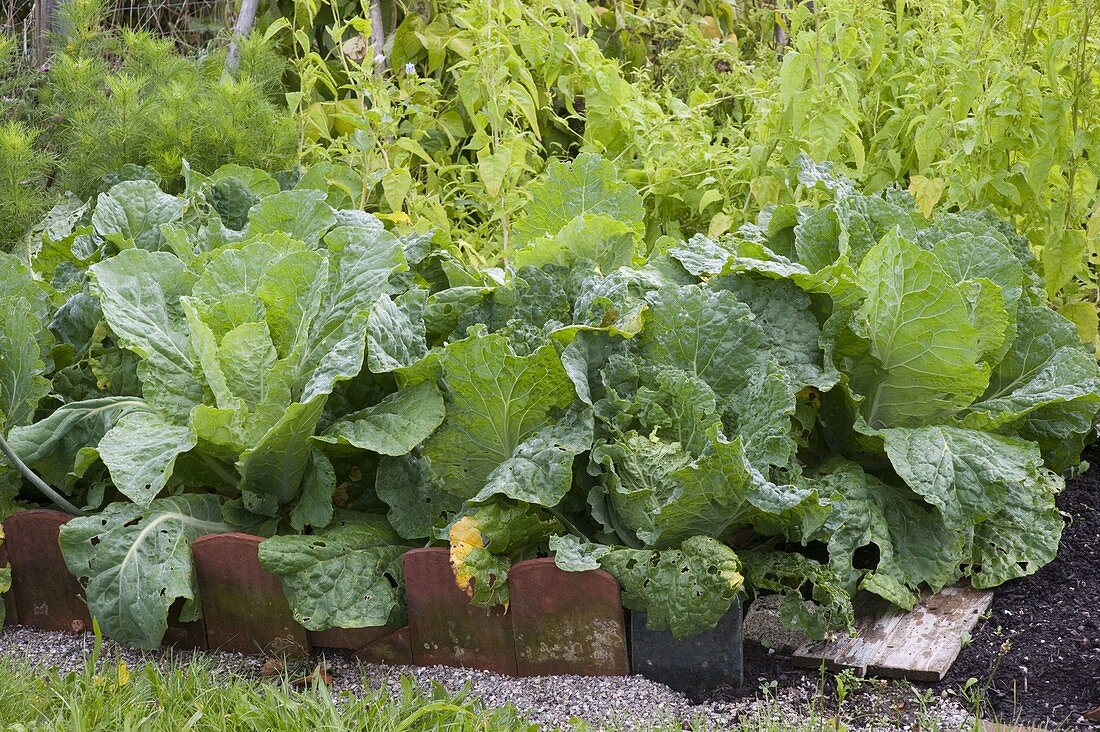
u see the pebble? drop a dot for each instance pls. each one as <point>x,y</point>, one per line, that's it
<point>626,703</point>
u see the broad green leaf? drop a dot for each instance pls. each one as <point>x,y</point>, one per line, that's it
<point>573,554</point>
<point>346,576</point>
<point>915,547</point>
<point>416,505</point>
<point>204,346</point>
<point>665,496</point>
<point>1046,365</point>
<point>234,273</point>
<point>253,375</point>
<point>965,473</point>
<point>924,357</point>
<point>661,401</point>
<point>497,401</point>
<point>540,470</point>
<point>607,242</point>
<point>291,289</point>
<point>135,562</point>
<point>360,269</point>
<point>141,451</point>
<point>277,463</point>
<point>708,333</point>
<point>302,214</point>
<point>24,343</point>
<point>132,212</point>
<point>587,185</point>
<point>683,591</point>
<point>394,426</point>
<point>765,411</point>
<point>792,575</point>
<point>22,384</point>
<point>1022,537</point>
<point>52,446</point>
<point>792,336</point>
<point>259,182</point>
<point>140,294</point>
<point>232,199</point>
<point>396,335</point>
<point>315,508</point>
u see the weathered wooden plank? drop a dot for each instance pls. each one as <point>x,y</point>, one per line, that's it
<point>875,619</point>
<point>920,645</point>
<point>927,642</point>
<point>988,726</point>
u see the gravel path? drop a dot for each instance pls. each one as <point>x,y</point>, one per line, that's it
<point>616,703</point>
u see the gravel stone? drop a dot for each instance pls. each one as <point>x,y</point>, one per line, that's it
<point>624,703</point>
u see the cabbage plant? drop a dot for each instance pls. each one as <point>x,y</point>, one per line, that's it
<point>844,397</point>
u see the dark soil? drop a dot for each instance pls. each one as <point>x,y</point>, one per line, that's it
<point>1039,651</point>
<point>1036,658</point>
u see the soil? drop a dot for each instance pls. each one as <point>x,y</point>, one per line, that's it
<point>1039,651</point>
<point>1036,656</point>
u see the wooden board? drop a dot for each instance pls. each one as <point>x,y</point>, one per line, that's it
<point>919,645</point>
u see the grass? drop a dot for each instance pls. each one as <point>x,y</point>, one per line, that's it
<point>197,696</point>
<point>108,696</point>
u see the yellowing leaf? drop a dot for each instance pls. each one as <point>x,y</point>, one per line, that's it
<point>465,537</point>
<point>395,186</point>
<point>123,673</point>
<point>355,48</point>
<point>1062,257</point>
<point>927,192</point>
<point>708,27</point>
<point>710,196</point>
<point>493,168</point>
<point>720,223</point>
<point>1081,314</point>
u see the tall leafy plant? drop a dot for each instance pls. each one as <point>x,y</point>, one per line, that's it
<point>750,411</point>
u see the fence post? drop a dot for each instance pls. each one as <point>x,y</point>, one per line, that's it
<point>43,25</point>
<point>242,28</point>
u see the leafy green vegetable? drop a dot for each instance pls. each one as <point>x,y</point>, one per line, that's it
<point>508,429</point>
<point>135,562</point>
<point>845,379</point>
<point>681,590</point>
<point>348,575</point>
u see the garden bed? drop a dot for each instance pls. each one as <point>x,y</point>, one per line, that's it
<point>1050,668</point>
<point>1037,656</point>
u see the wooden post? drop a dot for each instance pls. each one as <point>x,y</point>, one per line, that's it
<point>377,37</point>
<point>241,28</point>
<point>43,26</point>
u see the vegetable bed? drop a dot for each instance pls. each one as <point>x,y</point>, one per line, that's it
<point>1036,655</point>
<point>846,395</point>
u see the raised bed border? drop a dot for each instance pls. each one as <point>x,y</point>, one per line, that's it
<point>559,622</point>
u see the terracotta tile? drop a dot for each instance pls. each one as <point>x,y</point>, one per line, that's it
<point>243,606</point>
<point>47,596</point>
<point>445,629</point>
<point>566,622</point>
<point>394,649</point>
<point>347,638</point>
